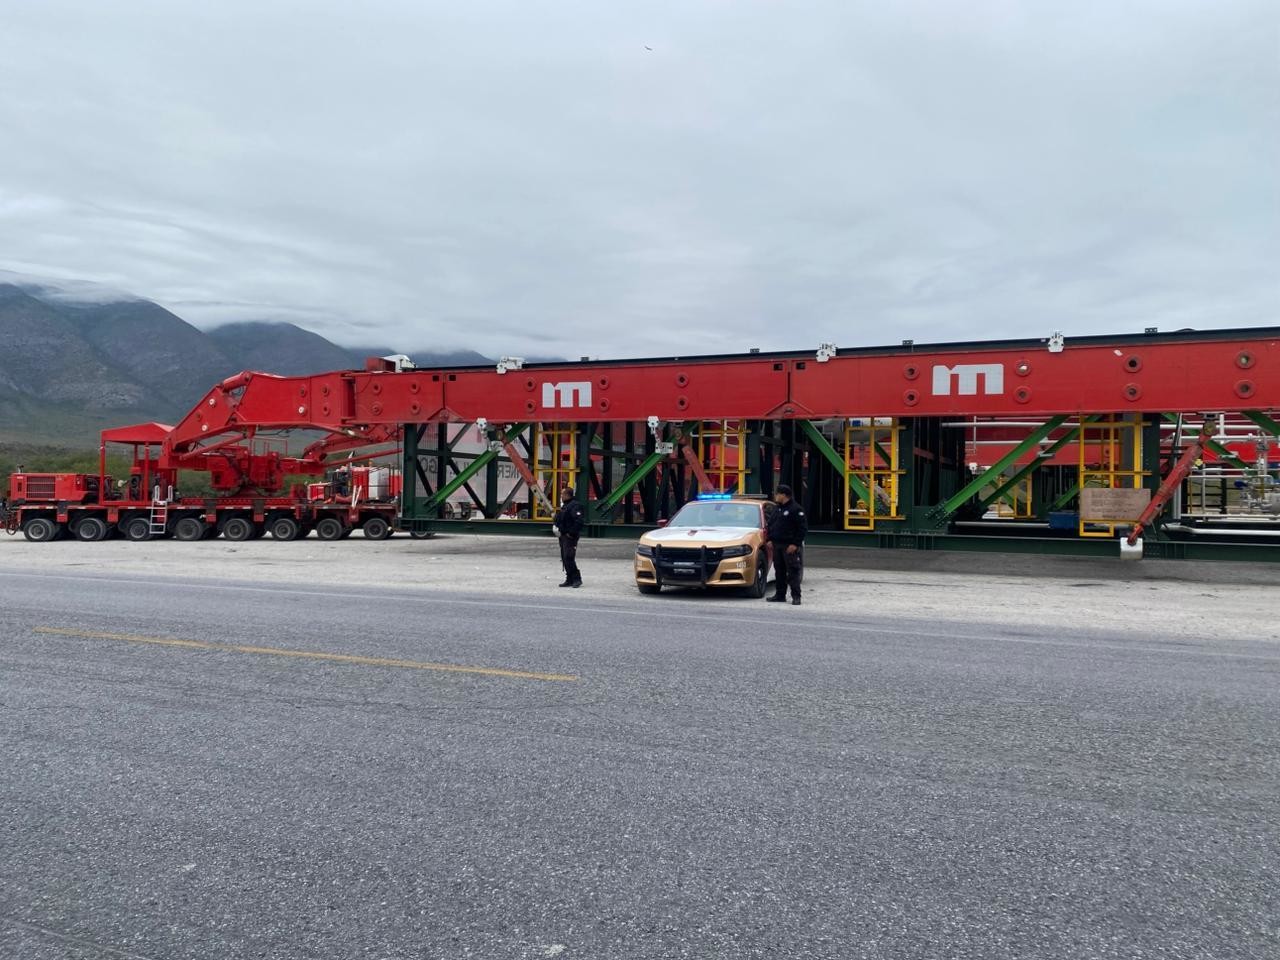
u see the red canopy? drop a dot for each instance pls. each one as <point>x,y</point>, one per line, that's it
<point>138,433</point>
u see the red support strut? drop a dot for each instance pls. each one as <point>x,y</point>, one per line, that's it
<point>1176,475</point>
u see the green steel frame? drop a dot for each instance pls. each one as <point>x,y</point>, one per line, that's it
<point>633,478</point>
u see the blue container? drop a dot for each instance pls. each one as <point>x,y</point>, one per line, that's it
<point>1064,520</point>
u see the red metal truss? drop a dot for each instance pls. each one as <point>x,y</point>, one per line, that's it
<point>1241,370</point>
<point>1230,370</point>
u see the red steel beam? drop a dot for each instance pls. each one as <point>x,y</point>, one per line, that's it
<point>1237,372</point>
<point>1227,371</point>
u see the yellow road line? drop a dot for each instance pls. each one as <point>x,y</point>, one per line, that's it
<point>306,654</point>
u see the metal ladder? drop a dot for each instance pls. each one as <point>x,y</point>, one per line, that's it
<point>159,512</point>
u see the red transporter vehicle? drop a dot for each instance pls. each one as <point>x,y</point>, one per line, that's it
<point>249,498</point>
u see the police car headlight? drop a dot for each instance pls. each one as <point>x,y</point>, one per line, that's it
<point>644,550</point>
<point>740,550</point>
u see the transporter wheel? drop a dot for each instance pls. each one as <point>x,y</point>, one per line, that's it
<point>237,528</point>
<point>377,528</point>
<point>329,528</point>
<point>284,528</point>
<point>422,534</point>
<point>40,530</point>
<point>139,528</point>
<point>92,529</point>
<point>188,529</point>
<point>761,584</point>
<point>648,588</point>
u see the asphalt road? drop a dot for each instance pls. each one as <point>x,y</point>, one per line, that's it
<point>619,778</point>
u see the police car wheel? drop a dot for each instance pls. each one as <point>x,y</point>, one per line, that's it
<point>760,585</point>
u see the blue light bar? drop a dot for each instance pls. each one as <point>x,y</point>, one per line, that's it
<point>715,496</point>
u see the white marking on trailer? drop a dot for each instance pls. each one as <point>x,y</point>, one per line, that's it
<point>966,376</point>
<point>566,395</point>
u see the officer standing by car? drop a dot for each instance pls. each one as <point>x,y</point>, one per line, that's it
<point>568,525</point>
<point>787,530</point>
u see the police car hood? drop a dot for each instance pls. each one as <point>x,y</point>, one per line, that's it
<point>698,536</point>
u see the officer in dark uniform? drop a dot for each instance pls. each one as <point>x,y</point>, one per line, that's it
<point>568,525</point>
<point>787,530</point>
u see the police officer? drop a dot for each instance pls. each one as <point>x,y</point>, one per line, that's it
<point>787,530</point>
<point>568,525</point>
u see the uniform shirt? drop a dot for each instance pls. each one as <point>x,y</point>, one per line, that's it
<point>789,524</point>
<point>569,519</point>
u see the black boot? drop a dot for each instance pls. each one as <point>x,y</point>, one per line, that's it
<point>776,599</point>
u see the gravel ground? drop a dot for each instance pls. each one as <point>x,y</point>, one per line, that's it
<point>1162,598</point>
<point>424,749</point>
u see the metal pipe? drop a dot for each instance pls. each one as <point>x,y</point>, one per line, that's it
<point>1194,531</point>
<point>1029,424</point>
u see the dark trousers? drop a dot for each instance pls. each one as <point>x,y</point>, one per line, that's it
<point>568,557</point>
<point>788,570</point>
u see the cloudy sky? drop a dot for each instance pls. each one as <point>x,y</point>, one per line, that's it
<point>643,178</point>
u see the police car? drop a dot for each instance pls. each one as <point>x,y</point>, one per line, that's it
<point>718,540</point>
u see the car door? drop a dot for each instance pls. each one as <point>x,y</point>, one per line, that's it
<point>769,512</point>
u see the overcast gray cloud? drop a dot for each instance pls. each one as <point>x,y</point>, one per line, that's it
<point>645,178</point>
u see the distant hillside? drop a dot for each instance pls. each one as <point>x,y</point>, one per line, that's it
<point>45,357</point>
<point>281,348</point>
<point>69,369</point>
<point>155,348</point>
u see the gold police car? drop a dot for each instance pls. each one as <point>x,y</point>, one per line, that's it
<point>718,540</point>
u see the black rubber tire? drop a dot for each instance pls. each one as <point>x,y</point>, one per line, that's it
<point>761,584</point>
<point>138,529</point>
<point>189,529</point>
<point>92,529</point>
<point>284,528</point>
<point>648,588</point>
<point>422,534</point>
<point>40,529</point>
<point>237,528</point>
<point>376,528</point>
<point>329,528</point>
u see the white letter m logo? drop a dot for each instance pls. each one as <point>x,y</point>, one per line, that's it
<point>966,377</point>
<point>566,395</point>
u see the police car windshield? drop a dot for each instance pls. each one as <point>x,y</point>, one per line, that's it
<point>712,513</point>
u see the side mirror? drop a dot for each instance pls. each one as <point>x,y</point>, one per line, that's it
<point>663,522</point>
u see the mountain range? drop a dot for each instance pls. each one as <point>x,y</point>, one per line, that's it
<point>68,369</point>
